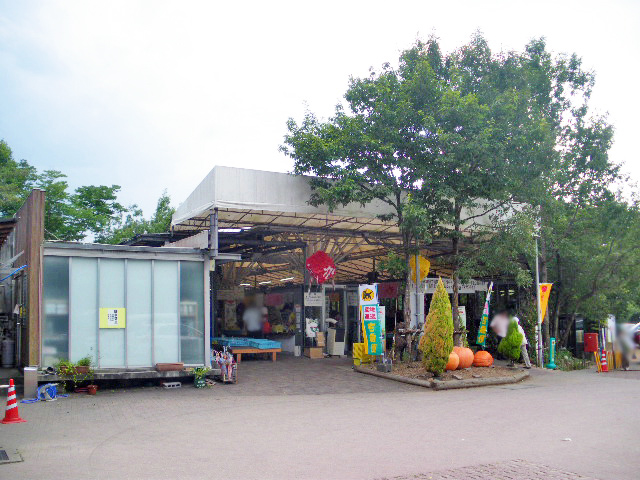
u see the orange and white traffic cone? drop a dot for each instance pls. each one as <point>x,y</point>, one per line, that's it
<point>12,415</point>
<point>603,361</point>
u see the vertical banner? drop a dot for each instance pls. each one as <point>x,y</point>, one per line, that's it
<point>484,321</point>
<point>371,330</point>
<point>545,292</point>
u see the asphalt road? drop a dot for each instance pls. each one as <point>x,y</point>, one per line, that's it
<point>307,419</point>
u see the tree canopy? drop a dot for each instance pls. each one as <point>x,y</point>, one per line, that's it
<point>88,211</point>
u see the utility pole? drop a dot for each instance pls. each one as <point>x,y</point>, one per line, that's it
<point>540,350</point>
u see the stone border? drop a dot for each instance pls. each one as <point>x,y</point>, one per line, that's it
<point>446,385</point>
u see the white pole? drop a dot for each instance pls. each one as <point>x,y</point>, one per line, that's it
<point>539,332</point>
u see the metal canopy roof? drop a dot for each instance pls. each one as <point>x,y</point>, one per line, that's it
<point>6,227</point>
<point>266,217</point>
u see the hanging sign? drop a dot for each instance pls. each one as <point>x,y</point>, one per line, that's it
<point>388,289</point>
<point>472,286</point>
<point>352,299</point>
<point>371,329</point>
<point>321,266</point>
<point>368,294</point>
<point>484,321</point>
<point>545,292</point>
<point>313,299</point>
<point>113,318</point>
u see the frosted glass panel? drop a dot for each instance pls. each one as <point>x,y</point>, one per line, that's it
<point>84,308</point>
<point>165,312</point>
<point>55,309</point>
<point>139,313</point>
<point>191,312</point>
<point>111,296</point>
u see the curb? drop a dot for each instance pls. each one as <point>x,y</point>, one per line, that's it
<point>449,384</point>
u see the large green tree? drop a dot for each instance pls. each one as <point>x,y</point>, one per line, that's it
<point>444,141</point>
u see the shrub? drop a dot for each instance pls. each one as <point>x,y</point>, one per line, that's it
<point>509,346</point>
<point>437,340</point>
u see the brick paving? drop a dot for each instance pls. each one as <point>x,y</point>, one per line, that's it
<point>511,470</point>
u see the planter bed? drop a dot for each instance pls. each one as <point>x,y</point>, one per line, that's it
<point>414,374</point>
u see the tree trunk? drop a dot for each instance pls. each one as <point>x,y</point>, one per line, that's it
<point>558,290</point>
<point>565,334</point>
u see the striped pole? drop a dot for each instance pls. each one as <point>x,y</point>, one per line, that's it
<point>12,415</point>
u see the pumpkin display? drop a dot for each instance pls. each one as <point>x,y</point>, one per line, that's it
<point>482,359</point>
<point>465,355</point>
<point>453,362</point>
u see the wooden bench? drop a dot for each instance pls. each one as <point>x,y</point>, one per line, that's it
<point>238,351</point>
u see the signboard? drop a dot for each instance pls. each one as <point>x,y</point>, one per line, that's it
<point>462,315</point>
<point>429,286</point>
<point>352,299</point>
<point>313,299</point>
<point>368,294</point>
<point>113,317</point>
<point>236,293</point>
<point>371,330</point>
<point>382,315</point>
<point>484,321</point>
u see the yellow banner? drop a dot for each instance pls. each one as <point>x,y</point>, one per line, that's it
<point>545,291</point>
<point>425,266</point>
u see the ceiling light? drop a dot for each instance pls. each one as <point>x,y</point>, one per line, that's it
<point>245,284</point>
<point>264,283</point>
<point>286,279</point>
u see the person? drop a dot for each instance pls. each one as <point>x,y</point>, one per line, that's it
<point>523,346</point>
<point>500,325</point>
<point>252,319</point>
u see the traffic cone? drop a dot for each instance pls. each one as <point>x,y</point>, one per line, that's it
<point>605,368</point>
<point>12,415</point>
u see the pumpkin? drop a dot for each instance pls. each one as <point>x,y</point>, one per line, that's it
<point>452,364</point>
<point>465,355</point>
<point>482,359</point>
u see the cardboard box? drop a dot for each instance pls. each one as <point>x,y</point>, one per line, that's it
<point>320,339</point>
<point>313,352</point>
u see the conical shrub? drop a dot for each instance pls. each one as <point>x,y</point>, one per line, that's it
<point>437,340</point>
<point>509,346</point>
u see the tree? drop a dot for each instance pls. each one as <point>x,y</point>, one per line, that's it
<point>443,142</point>
<point>436,342</point>
<point>510,345</point>
<point>372,153</point>
<point>16,181</point>
<point>69,216</point>
<point>132,222</point>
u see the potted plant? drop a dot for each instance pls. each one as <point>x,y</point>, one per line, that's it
<point>83,365</point>
<point>199,375</point>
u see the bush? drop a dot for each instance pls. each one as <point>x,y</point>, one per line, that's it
<point>437,340</point>
<point>509,346</point>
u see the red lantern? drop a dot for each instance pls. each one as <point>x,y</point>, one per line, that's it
<point>388,290</point>
<point>321,266</point>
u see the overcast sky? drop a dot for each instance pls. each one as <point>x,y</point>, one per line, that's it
<point>151,94</point>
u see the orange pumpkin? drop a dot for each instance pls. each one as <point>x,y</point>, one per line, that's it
<point>465,355</point>
<point>482,359</point>
<point>452,364</point>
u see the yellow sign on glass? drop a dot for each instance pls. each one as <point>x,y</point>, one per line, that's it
<point>113,317</point>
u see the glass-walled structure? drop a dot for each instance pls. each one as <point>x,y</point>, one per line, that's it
<point>125,307</point>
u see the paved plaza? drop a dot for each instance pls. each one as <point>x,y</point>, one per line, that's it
<point>318,419</point>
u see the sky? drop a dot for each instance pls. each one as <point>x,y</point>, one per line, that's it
<point>150,95</point>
